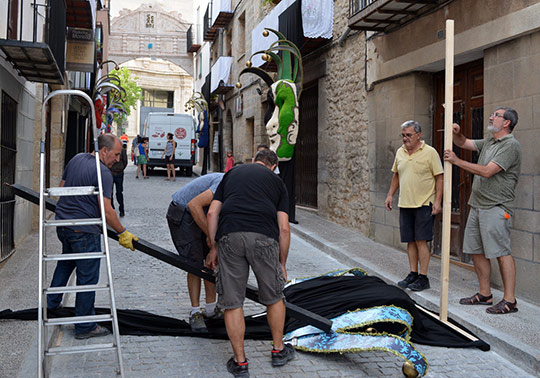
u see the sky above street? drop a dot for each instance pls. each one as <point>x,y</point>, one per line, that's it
<point>182,6</point>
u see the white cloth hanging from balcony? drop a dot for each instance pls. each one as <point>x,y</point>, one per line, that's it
<point>318,18</point>
<point>221,70</point>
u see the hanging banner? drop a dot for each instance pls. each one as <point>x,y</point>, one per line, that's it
<point>80,51</point>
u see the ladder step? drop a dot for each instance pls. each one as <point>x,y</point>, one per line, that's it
<point>80,349</point>
<point>75,289</point>
<point>73,222</point>
<point>78,319</point>
<point>71,191</point>
<point>74,256</point>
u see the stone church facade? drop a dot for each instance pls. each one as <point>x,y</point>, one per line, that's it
<point>151,42</point>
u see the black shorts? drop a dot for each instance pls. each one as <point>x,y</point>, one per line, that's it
<point>187,237</point>
<point>416,224</point>
<point>169,159</point>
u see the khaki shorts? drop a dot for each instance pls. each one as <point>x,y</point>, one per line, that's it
<point>487,232</point>
<point>237,252</point>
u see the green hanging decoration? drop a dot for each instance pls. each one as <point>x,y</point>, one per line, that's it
<point>282,120</point>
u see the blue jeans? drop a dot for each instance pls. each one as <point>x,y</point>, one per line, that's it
<point>118,181</point>
<point>87,273</point>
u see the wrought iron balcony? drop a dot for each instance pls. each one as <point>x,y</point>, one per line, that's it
<point>192,43</point>
<point>208,33</point>
<point>36,46</point>
<point>218,14</point>
<point>387,15</point>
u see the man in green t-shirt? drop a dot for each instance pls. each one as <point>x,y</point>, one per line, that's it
<point>487,234</point>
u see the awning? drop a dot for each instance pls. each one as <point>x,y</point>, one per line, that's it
<point>34,60</point>
<point>221,71</point>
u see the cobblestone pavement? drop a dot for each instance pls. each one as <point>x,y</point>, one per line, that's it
<point>142,282</point>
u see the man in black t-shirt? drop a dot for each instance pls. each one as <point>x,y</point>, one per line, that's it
<point>248,218</point>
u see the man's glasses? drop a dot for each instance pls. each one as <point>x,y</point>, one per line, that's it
<point>407,135</point>
<point>495,115</point>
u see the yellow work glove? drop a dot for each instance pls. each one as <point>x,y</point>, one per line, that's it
<point>126,239</point>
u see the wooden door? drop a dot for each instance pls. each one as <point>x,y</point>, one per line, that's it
<point>306,149</point>
<point>468,112</point>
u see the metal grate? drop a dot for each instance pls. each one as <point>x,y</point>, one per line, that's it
<point>356,6</point>
<point>8,154</point>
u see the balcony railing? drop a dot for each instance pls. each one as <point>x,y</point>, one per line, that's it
<point>218,15</point>
<point>192,45</point>
<point>208,33</point>
<point>37,51</point>
<point>387,15</point>
<point>356,6</point>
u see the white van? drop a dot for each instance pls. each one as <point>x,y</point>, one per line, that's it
<point>182,127</point>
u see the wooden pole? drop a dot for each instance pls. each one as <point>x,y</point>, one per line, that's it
<point>447,193</point>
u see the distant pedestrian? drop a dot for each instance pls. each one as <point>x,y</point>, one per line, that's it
<point>168,153</point>
<point>230,161</point>
<point>418,175</point>
<point>248,221</point>
<point>142,159</point>
<point>81,171</point>
<point>186,218</point>
<point>134,149</point>
<point>124,138</point>
<point>487,234</point>
<point>117,171</point>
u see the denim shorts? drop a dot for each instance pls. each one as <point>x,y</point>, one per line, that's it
<point>237,252</point>
<point>416,223</point>
<point>187,237</point>
<point>488,232</point>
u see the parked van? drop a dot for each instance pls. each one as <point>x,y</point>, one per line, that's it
<point>182,127</point>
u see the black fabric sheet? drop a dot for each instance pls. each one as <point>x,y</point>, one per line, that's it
<point>326,296</point>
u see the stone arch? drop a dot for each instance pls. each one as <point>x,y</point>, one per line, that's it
<point>157,75</point>
<point>134,36</point>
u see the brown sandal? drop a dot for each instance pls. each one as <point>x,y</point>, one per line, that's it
<point>477,299</point>
<point>503,307</point>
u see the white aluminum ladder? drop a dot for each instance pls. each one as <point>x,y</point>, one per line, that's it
<point>44,323</point>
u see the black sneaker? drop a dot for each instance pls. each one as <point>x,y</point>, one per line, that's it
<point>239,370</point>
<point>122,213</point>
<point>280,358</point>
<point>422,283</point>
<point>96,332</point>
<point>411,277</point>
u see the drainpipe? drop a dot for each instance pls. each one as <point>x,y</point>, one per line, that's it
<point>343,37</point>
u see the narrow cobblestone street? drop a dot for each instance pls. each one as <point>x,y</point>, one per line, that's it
<point>142,282</point>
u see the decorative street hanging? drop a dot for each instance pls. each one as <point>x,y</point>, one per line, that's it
<point>282,124</point>
<point>198,103</point>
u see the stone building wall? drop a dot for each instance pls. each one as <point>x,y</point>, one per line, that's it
<point>390,104</point>
<point>343,166</point>
<point>512,78</point>
<point>344,176</point>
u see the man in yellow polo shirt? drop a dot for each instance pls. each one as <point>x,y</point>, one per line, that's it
<point>418,175</point>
